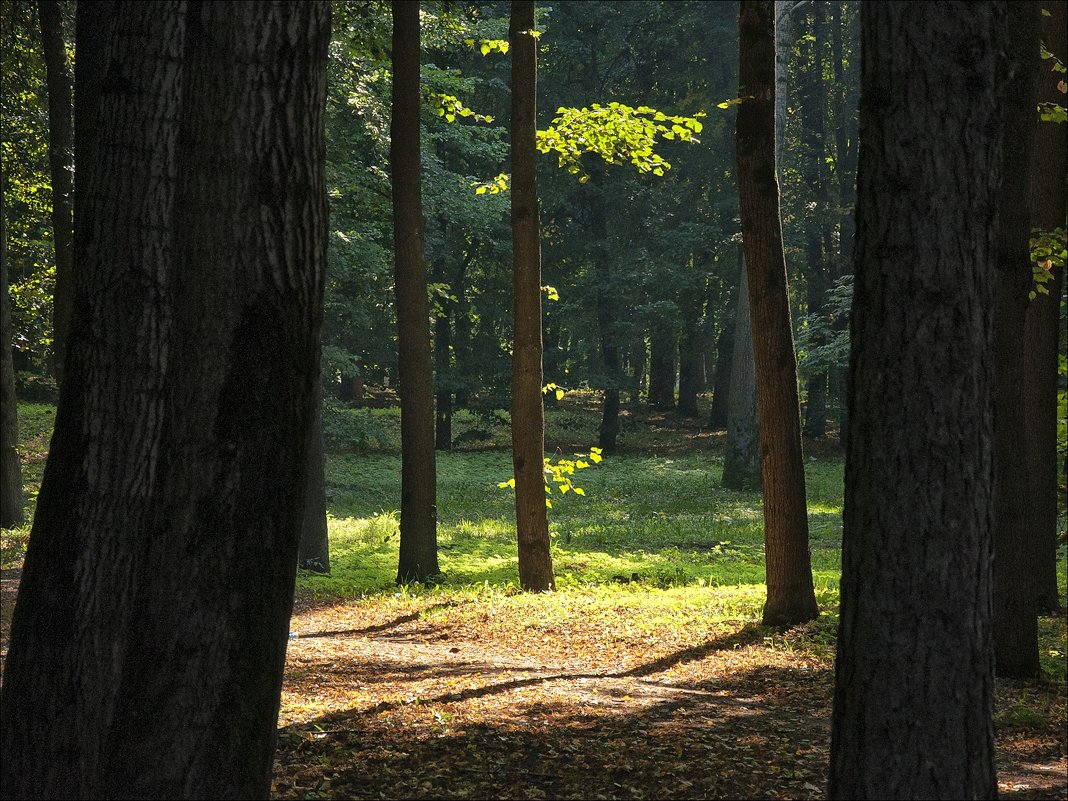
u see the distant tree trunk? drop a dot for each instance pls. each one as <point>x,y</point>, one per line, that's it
<point>741,461</point>
<point>913,705</point>
<point>662,347</point>
<point>11,513</point>
<point>61,166</point>
<point>638,358</point>
<point>717,417</point>
<point>607,308</point>
<point>1015,550</point>
<point>1042,327</point>
<point>791,598</point>
<point>351,390</point>
<point>149,635</point>
<point>528,414</point>
<point>691,358</point>
<point>418,514</point>
<point>313,553</point>
<point>443,366</point>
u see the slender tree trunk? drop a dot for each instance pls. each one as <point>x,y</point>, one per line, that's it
<point>443,368</point>
<point>149,634</point>
<point>741,461</point>
<point>913,705</point>
<point>662,348</point>
<point>638,359</point>
<point>528,414</point>
<point>691,357</point>
<point>1015,565</point>
<point>313,552</point>
<point>418,517</point>
<point>607,305</point>
<point>1042,327</point>
<point>717,417</point>
<point>791,598</point>
<point>11,513</point>
<point>61,165</point>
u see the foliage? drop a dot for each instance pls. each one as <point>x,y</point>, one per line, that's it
<point>1048,250</point>
<point>823,339</point>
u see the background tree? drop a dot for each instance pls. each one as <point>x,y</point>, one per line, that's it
<point>528,413</point>
<point>741,460</point>
<point>913,704</point>
<point>418,517</point>
<point>149,634</point>
<point>11,513</point>
<point>791,598</point>
<point>1015,613</point>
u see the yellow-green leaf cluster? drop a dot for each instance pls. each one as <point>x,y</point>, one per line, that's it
<point>494,186</point>
<point>559,473</point>
<point>450,107</point>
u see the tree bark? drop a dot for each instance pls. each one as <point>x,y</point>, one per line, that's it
<point>791,598</point>
<point>313,553</point>
<point>1042,326</point>
<point>717,416</point>
<point>741,461</point>
<point>1015,550</point>
<point>61,165</point>
<point>913,704</point>
<point>662,348</point>
<point>11,513</point>
<point>149,634</point>
<point>418,517</point>
<point>528,413</point>
<point>443,366</point>
<point>691,360</point>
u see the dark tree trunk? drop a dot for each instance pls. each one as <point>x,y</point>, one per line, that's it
<point>741,461</point>
<point>149,634</point>
<point>913,705</point>
<point>418,514</point>
<point>314,550</point>
<point>442,359</point>
<point>1042,326</point>
<point>662,348</point>
<point>1015,564</point>
<point>528,414</point>
<point>607,307</point>
<point>11,513</point>
<point>791,598</point>
<point>691,363</point>
<point>61,166</point>
<point>638,359</point>
<point>717,417</point>
<point>351,390</point>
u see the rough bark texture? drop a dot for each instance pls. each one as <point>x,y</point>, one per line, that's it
<point>791,598</point>
<point>528,414</point>
<point>314,550</point>
<point>418,514</point>
<point>913,705</point>
<point>61,166</point>
<point>11,513</point>
<point>741,461</point>
<point>149,633</point>
<point>1042,325</point>
<point>717,416</point>
<point>1016,554</point>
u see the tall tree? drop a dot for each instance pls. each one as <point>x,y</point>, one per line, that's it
<point>791,598</point>
<point>11,513</point>
<point>61,164</point>
<point>1015,613</point>
<point>913,704</point>
<point>418,518</point>
<point>741,461</point>
<point>149,635</point>
<point>1042,326</point>
<point>314,550</point>
<point>528,413</point>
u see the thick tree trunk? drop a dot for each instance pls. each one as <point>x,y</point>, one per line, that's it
<point>791,598</point>
<point>418,514</point>
<point>741,461</point>
<point>313,552</point>
<point>149,634</point>
<point>528,414</point>
<point>913,706</point>
<point>717,417</point>
<point>61,166</point>
<point>1015,550</point>
<point>662,347</point>
<point>1042,327</point>
<point>11,513</point>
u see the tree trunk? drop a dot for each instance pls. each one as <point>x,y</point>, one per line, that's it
<point>313,552</point>
<point>741,462</point>
<point>528,414</point>
<point>11,513</point>
<point>717,417</point>
<point>638,358</point>
<point>662,348</point>
<point>791,598</point>
<point>913,705</point>
<point>149,634</point>
<point>691,360</point>
<point>1016,552</point>
<point>418,514</point>
<point>61,165</point>
<point>607,306</point>
<point>1042,327</point>
<point>443,403</point>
